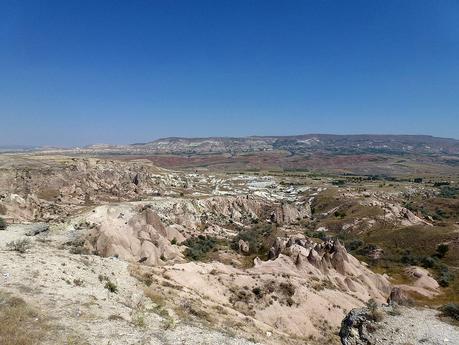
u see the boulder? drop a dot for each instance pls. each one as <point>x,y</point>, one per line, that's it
<point>398,296</point>
<point>37,229</point>
<point>353,328</point>
<point>243,247</point>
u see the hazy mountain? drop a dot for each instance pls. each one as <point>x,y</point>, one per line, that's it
<point>308,143</point>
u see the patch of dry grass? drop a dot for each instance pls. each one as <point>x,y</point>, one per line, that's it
<point>19,323</point>
<point>155,297</point>
<point>20,246</point>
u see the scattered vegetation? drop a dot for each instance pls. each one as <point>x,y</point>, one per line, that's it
<point>190,307</point>
<point>450,310</point>
<point>78,282</point>
<point>138,318</point>
<point>411,246</point>
<point>3,224</point>
<point>395,311</point>
<point>257,292</point>
<point>199,246</point>
<point>19,323</point>
<point>21,246</point>
<point>441,251</point>
<point>316,234</point>
<point>287,288</point>
<point>444,277</point>
<point>160,308</point>
<point>109,285</point>
<point>354,245</point>
<point>115,317</point>
<point>375,312</point>
<point>259,237</point>
<point>448,192</point>
<point>77,246</point>
<point>441,184</point>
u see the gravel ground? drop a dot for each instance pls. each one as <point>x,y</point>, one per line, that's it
<point>416,326</point>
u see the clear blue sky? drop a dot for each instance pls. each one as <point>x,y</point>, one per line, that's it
<point>81,72</point>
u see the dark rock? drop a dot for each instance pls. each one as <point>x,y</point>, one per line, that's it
<point>354,328</point>
<point>272,254</point>
<point>37,229</point>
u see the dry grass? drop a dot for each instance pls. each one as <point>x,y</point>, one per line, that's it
<point>155,297</point>
<point>421,241</point>
<point>48,194</point>
<point>142,274</point>
<point>188,308</point>
<point>21,246</point>
<point>19,323</point>
<point>375,312</point>
<point>160,308</point>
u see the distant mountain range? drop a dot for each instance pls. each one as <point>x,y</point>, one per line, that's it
<point>298,144</point>
<point>295,144</point>
<point>15,148</point>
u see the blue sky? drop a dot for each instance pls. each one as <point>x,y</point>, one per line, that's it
<point>81,72</point>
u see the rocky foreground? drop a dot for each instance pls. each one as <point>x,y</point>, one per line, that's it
<point>88,299</point>
<point>393,324</point>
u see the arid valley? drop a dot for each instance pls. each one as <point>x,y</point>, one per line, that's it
<point>286,240</point>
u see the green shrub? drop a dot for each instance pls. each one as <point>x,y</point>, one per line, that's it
<point>257,292</point>
<point>199,246</point>
<point>367,249</point>
<point>408,258</point>
<point>3,224</point>
<point>439,214</point>
<point>451,310</point>
<point>110,286</point>
<point>316,234</point>
<point>444,277</point>
<point>409,206</point>
<point>339,214</point>
<point>440,184</point>
<point>258,237</point>
<point>448,191</point>
<point>428,262</point>
<point>354,245</point>
<point>442,249</point>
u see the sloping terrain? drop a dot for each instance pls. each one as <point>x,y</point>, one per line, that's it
<point>88,299</point>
